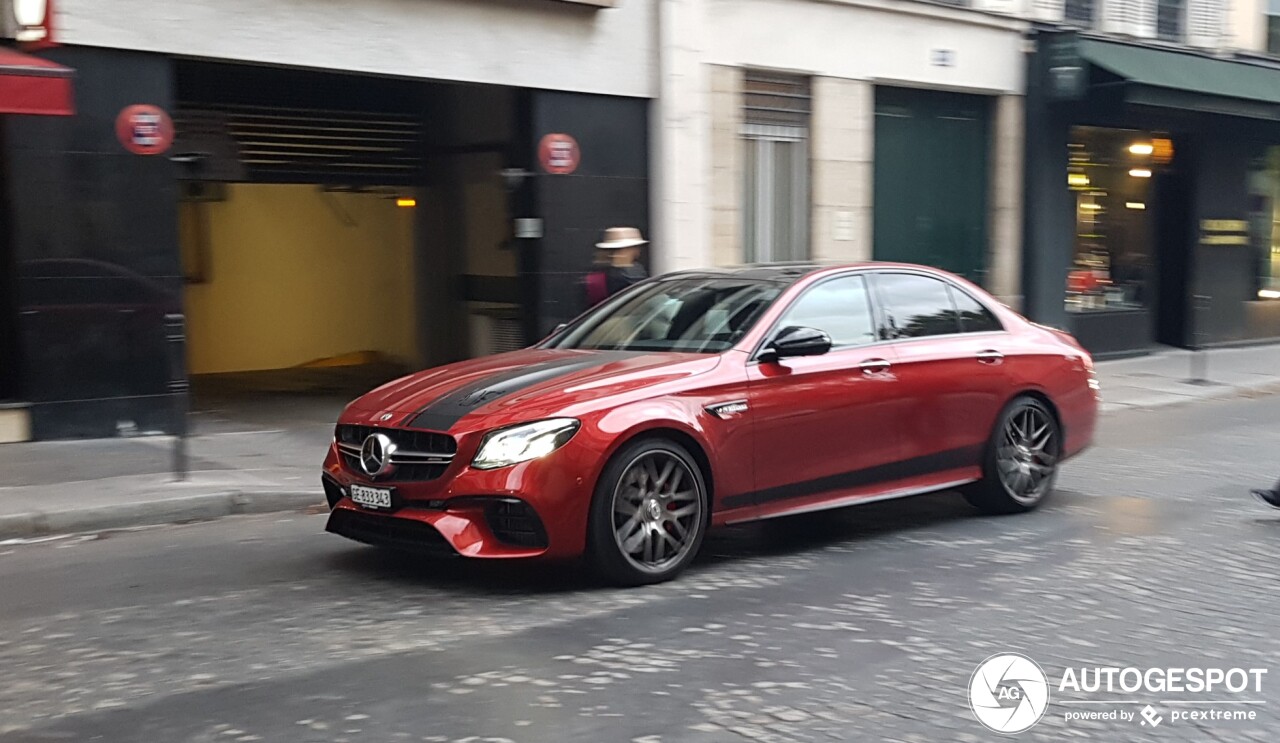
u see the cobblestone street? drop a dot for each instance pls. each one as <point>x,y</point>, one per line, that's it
<point>862,625</point>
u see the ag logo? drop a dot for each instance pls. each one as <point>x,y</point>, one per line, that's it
<point>1008,693</point>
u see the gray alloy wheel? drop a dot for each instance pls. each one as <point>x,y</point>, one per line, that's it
<point>1027,456</point>
<point>1021,461</point>
<point>649,513</point>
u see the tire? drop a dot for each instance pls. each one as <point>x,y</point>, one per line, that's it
<point>647,522</point>
<point>1020,463</point>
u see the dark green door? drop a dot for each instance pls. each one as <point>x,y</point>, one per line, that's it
<point>931,179</point>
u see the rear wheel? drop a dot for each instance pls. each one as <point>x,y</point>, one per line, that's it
<point>1021,461</point>
<point>649,513</point>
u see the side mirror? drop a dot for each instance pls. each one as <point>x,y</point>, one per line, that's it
<point>796,341</point>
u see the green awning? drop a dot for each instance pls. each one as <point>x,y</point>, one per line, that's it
<point>1172,79</point>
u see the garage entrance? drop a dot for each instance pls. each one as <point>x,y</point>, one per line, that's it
<point>338,230</point>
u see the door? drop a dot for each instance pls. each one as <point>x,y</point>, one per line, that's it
<point>9,343</point>
<point>931,179</point>
<point>949,359</point>
<point>826,426</point>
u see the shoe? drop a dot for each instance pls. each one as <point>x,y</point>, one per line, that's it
<point>1270,497</point>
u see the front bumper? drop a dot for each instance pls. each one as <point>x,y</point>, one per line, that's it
<point>532,509</point>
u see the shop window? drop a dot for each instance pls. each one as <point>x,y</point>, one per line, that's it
<point>1109,174</point>
<point>1265,224</point>
<point>775,134</point>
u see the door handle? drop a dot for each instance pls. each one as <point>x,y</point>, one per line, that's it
<point>990,357</point>
<point>874,366</point>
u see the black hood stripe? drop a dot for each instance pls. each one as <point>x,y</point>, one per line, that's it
<point>443,413</point>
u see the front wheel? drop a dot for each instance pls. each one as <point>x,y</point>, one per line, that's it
<point>649,513</point>
<point>1021,461</point>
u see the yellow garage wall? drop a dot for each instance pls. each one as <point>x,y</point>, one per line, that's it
<point>296,275</point>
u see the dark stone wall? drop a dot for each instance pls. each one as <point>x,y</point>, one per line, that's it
<point>93,235</point>
<point>609,188</point>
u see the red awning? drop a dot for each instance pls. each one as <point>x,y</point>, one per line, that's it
<point>31,85</point>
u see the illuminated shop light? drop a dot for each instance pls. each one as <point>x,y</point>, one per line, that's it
<point>1140,173</point>
<point>1134,205</point>
<point>1142,148</point>
<point>1077,179</point>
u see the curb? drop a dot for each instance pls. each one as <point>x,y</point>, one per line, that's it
<point>203,507</point>
<point>1225,392</point>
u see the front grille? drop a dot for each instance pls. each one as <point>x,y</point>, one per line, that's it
<point>420,455</point>
<point>388,531</point>
<point>515,523</point>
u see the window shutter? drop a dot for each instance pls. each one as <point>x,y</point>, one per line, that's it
<point>1048,10</point>
<point>1130,18</point>
<point>1205,22</point>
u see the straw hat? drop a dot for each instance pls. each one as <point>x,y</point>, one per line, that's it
<point>621,237</point>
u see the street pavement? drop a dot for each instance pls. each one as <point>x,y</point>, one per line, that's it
<point>858,625</point>
<point>262,453</point>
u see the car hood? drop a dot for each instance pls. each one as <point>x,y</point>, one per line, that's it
<point>536,382</point>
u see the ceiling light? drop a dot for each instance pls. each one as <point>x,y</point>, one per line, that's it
<point>1142,148</point>
<point>1134,205</point>
<point>406,203</point>
<point>1077,179</point>
<point>1140,173</point>
<point>1268,294</point>
<point>1091,207</point>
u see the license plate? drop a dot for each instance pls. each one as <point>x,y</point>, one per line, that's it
<point>370,497</point>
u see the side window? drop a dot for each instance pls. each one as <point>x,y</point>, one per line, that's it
<point>839,307</point>
<point>915,306</point>
<point>974,317</point>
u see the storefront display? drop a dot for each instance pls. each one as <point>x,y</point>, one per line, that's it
<point>1109,174</point>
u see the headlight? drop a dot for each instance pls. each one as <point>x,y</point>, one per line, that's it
<point>521,443</point>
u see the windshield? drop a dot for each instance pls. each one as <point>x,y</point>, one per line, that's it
<point>698,315</point>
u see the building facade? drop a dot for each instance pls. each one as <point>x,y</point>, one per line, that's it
<point>248,189</point>
<point>846,130</point>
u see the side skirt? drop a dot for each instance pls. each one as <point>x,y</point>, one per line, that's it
<point>855,500</point>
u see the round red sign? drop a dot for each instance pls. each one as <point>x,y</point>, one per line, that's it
<point>144,129</point>
<point>559,154</point>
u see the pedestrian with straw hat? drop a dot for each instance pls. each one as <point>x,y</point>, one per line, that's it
<point>617,264</point>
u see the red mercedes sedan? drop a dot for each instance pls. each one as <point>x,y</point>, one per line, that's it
<point>702,398</point>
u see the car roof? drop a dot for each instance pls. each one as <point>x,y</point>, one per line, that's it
<point>784,272</point>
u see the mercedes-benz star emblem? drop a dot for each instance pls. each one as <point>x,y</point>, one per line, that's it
<point>375,454</point>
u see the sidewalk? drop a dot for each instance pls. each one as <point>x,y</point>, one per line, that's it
<point>1163,378</point>
<point>265,455</point>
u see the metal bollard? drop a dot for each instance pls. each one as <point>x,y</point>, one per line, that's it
<point>1199,356</point>
<point>175,341</point>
